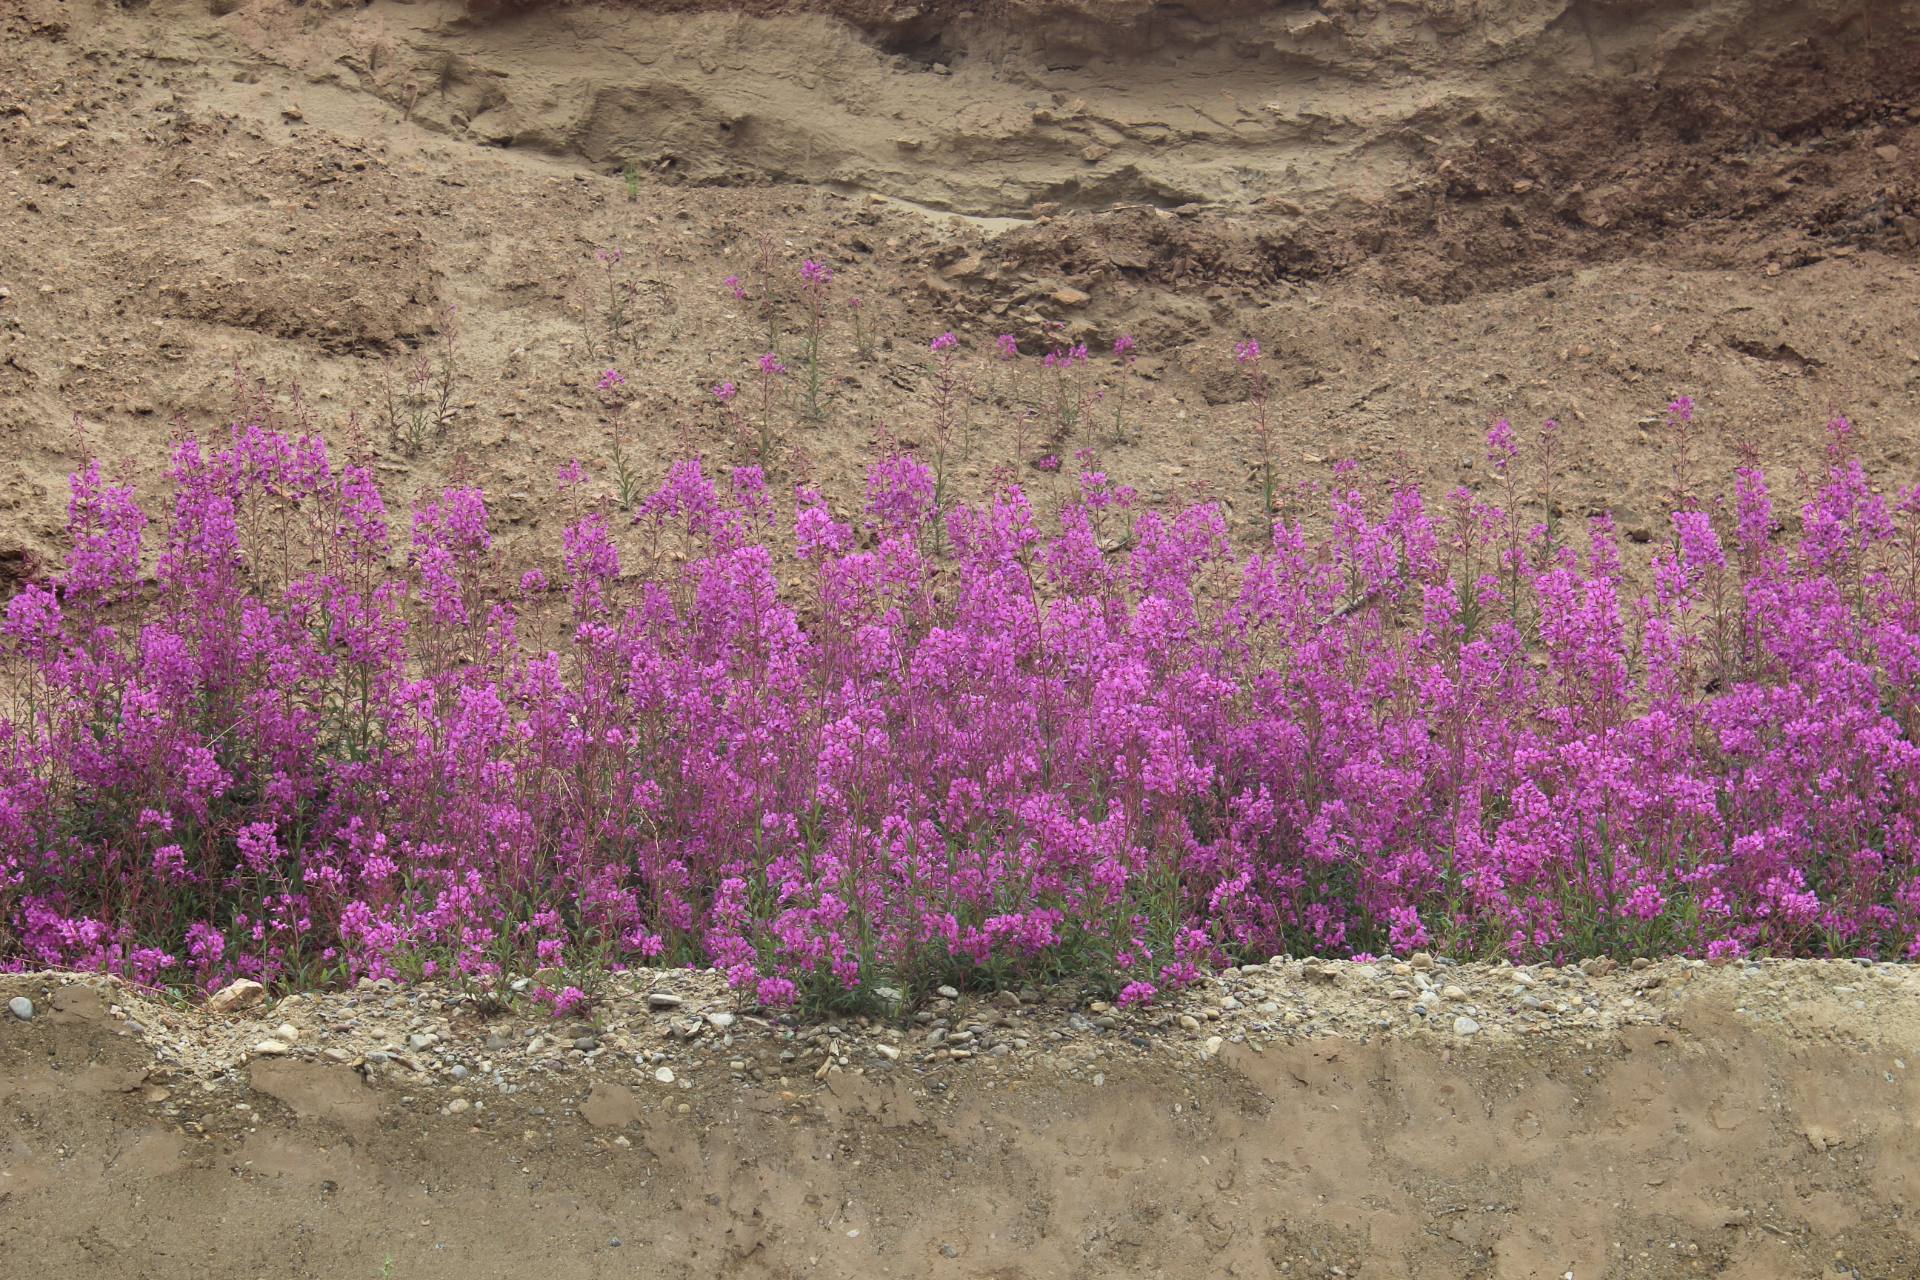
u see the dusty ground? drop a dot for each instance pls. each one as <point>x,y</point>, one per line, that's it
<point>1291,1119</point>
<point>1431,212</point>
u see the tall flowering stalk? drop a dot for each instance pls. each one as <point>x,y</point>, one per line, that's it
<point>1124,352</point>
<point>773,372</point>
<point>815,280</point>
<point>612,342</point>
<point>1067,389</point>
<point>1247,354</point>
<point>612,386</point>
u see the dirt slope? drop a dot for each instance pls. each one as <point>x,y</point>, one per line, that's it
<point>1752,1122</point>
<point>1431,215</point>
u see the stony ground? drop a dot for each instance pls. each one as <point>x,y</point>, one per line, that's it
<point>1310,1118</point>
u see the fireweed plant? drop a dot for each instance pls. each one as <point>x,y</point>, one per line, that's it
<point>418,403</point>
<point>862,342</point>
<point>1248,356</point>
<point>612,386</point>
<point>772,373</point>
<point>608,316</point>
<point>816,280</point>
<point>279,730</point>
<point>1124,353</point>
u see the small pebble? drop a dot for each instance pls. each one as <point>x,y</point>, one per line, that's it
<point>21,1008</point>
<point>1465,1026</point>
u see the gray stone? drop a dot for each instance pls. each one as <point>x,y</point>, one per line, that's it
<point>663,1000</point>
<point>21,1008</point>
<point>1465,1026</point>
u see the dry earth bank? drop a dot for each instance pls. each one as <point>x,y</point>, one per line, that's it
<point>1294,1119</point>
<point>1430,213</point>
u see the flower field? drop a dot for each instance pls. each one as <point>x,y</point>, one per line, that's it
<point>282,730</point>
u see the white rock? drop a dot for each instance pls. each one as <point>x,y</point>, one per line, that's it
<point>272,1048</point>
<point>664,1075</point>
<point>286,1031</point>
<point>1213,1045</point>
<point>1465,1026</point>
<point>241,994</point>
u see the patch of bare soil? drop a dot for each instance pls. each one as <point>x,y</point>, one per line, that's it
<point>1287,1120</point>
<point>1432,215</point>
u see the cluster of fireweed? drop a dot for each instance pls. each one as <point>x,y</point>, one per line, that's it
<point>821,756</point>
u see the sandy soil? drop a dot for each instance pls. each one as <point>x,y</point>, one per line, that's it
<point>1431,214</point>
<point>1291,1119</point>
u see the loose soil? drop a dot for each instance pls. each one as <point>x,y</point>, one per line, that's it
<point>1431,214</point>
<point>1286,1119</point>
